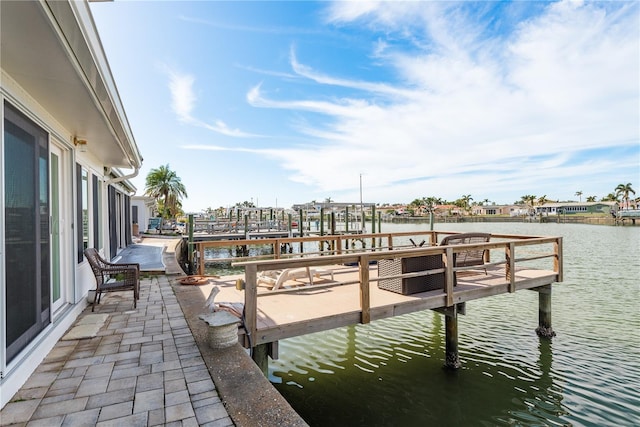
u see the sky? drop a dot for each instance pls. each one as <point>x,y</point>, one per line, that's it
<point>279,103</point>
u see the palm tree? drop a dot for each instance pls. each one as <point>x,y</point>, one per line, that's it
<point>624,190</point>
<point>611,197</point>
<point>245,204</point>
<point>166,187</point>
<point>430,203</point>
<point>579,194</point>
<point>466,200</point>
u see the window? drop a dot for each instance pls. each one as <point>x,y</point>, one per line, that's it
<point>97,213</point>
<point>82,214</point>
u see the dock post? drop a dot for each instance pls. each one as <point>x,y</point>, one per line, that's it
<point>452,358</point>
<point>260,356</point>
<point>332,223</point>
<point>373,226</point>
<point>346,220</point>
<point>300,229</point>
<point>544,329</point>
<point>191,245</point>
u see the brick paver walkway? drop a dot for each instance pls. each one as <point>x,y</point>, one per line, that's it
<point>143,368</point>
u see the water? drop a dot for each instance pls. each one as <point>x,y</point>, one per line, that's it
<point>389,373</point>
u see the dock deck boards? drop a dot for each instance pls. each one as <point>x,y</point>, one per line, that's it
<point>328,304</point>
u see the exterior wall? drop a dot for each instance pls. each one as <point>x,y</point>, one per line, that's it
<point>490,210</point>
<point>144,206</point>
<point>75,277</point>
<point>574,208</point>
<point>57,176</point>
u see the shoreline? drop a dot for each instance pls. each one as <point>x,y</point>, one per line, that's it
<point>569,219</point>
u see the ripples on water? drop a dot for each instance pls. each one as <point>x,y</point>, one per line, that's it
<point>389,373</point>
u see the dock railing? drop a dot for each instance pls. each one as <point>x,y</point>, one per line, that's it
<point>316,245</point>
<point>510,250</point>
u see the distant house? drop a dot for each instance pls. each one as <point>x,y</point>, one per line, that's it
<point>568,208</point>
<point>448,210</point>
<point>493,209</point>
<point>66,154</point>
<point>142,209</point>
<point>520,210</point>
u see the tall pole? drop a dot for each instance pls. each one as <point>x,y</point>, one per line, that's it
<point>362,227</point>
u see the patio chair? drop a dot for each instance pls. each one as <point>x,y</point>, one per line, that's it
<point>112,277</point>
<point>470,257</point>
<point>276,279</point>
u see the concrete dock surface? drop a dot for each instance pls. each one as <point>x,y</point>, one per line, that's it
<point>148,366</point>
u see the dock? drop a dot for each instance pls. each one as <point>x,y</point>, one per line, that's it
<point>343,287</point>
<point>627,214</point>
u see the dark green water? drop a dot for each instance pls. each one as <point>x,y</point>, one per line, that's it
<point>389,373</point>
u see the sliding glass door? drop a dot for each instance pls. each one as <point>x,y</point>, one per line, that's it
<point>27,230</point>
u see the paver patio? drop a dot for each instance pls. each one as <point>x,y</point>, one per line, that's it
<point>142,367</point>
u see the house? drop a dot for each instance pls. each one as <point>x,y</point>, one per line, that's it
<point>142,210</point>
<point>66,156</point>
<point>568,208</point>
<point>448,210</point>
<point>493,209</point>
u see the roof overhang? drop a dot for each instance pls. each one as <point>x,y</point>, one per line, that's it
<point>52,50</point>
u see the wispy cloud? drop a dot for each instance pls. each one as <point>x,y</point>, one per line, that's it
<point>562,81</point>
<point>309,73</point>
<point>203,147</point>
<point>183,101</point>
<point>247,28</point>
<point>182,96</point>
<point>221,127</point>
<point>342,108</point>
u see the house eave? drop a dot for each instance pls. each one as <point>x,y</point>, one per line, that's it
<point>52,50</point>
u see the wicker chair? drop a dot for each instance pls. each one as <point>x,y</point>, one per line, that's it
<point>111,277</point>
<point>472,256</point>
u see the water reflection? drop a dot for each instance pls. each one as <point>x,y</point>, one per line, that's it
<point>387,376</point>
<point>390,372</point>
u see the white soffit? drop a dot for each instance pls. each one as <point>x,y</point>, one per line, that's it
<point>44,49</point>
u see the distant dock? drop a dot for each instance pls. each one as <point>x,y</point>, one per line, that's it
<point>630,215</point>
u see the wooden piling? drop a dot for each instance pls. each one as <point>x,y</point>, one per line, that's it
<point>300,228</point>
<point>544,328</point>
<point>332,222</point>
<point>346,220</point>
<point>260,355</point>
<point>452,358</point>
<point>191,246</point>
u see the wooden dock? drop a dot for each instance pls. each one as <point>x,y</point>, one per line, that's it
<point>346,291</point>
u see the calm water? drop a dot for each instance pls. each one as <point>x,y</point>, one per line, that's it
<point>389,373</point>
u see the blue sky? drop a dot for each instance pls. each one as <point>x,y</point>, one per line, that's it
<point>287,102</point>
